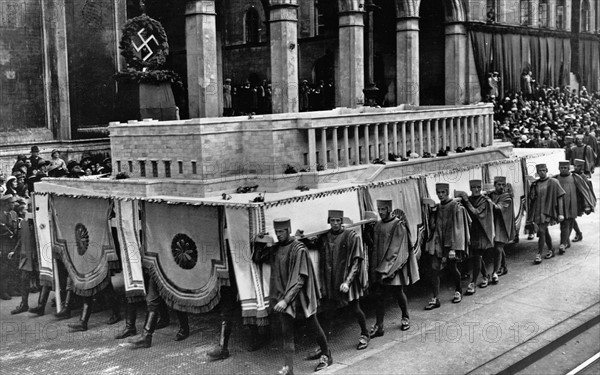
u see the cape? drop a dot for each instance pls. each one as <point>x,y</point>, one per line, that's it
<point>398,265</point>
<point>585,196</point>
<point>549,206</point>
<point>504,215</point>
<point>460,233</point>
<point>481,210</point>
<point>351,247</point>
<point>585,153</point>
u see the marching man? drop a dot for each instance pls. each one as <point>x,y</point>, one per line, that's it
<point>392,264</point>
<point>448,241</point>
<point>545,208</point>
<point>293,290</point>
<point>577,199</point>
<point>504,222</point>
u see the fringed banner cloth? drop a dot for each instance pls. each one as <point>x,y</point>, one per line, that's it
<point>44,239</point>
<point>185,253</point>
<point>242,225</point>
<point>128,229</point>
<point>83,240</point>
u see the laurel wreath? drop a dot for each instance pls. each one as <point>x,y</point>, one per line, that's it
<point>130,33</point>
<point>149,76</point>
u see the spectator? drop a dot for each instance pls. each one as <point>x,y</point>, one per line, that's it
<point>57,167</point>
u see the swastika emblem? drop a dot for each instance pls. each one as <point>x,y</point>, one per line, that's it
<point>144,46</point>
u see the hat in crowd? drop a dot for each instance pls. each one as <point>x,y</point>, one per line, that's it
<point>541,166</point>
<point>578,162</point>
<point>336,214</point>
<point>563,163</point>
<point>10,178</point>
<point>500,179</point>
<point>546,132</point>
<point>227,79</point>
<point>442,186</point>
<point>385,203</point>
<point>53,151</point>
<point>473,183</point>
<point>282,223</point>
<point>35,149</point>
<point>568,138</point>
<point>579,136</point>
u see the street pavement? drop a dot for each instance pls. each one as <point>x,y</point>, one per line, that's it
<point>485,333</point>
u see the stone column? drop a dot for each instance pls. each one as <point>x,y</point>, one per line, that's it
<point>202,69</point>
<point>284,55</point>
<point>407,60</point>
<point>56,69</point>
<point>456,63</point>
<point>350,79</point>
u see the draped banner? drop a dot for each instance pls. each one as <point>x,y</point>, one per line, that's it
<point>44,239</point>
<point>185,254</point>
<point>404,196</point>
<point>128,229</point>
<point>242,225</point>
<point>83,240</point>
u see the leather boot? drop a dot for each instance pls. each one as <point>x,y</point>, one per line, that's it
<point>116,311</point>
<point>65,312</point>
<point>164,319</point>
<point>144,340</point>
<point>24,306</point>
<point>42,299</point>
<point>221,351</point>
<point>184,326</point>
<point>86,312</point>
<point>130,318</point>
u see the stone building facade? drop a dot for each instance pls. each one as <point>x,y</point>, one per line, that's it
<point>57,56</point>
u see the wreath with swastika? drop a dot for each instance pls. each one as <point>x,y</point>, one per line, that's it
<point>144,43</point>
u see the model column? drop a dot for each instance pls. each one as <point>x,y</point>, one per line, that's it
<point>350,79</point>
<point>202,70</point>
<point>284,54</point>
<point>407,60</point>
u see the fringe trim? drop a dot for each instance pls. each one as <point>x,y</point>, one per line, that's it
<point>191,304</point>
<point>136,298</point>
<point>88,292</point>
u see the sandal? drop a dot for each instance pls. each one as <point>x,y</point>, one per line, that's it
<point>549,254</point>
<point>538,259</point>
<point>470,289</point>
<point>433,304</point>
<point>457,297</point>
<point>363,342</point>
<point>484,283</point>
<point>376,331</point>
<point>404,324</point>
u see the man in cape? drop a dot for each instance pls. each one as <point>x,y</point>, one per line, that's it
<point>545,209</point>
<point>505,228</point>
<point>343,273</point>
<point>392,264</point>
<point>584,152</point>
<point>579,165</point>
<point>293,290</point>
<point>577,199</point>
<point>448,241</point>
<point>481,231</point>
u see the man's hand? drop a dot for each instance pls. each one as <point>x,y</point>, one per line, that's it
<point>452,254</point>
<point>10,255</point>
<point>281,306</point>
<point>344,288</point>
<point>587,211</point>
<point>561,218</point>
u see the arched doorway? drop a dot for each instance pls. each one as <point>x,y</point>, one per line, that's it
<point>431,53</point>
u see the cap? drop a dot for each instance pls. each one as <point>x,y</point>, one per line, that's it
<point>500,179</point>
<point>338,214</point>
<point>564,163</point>
<point>577,162</point>
<point>35,149</point>
<point>541,166</point>
<point>569,138</point>
<point>53,151</point>
<point>282,223</point>
<point>10,178</point>
<point>227,79</point>
<point>474,183</point>
<point>442,186</point>
<point>385,203</point>
<point>579,136</point>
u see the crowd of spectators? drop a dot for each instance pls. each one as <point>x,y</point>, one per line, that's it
<point>548,118</point>
<point>29,169</point>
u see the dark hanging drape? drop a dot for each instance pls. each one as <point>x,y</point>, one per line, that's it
<point>482,51</point>
<point>548,57</point>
